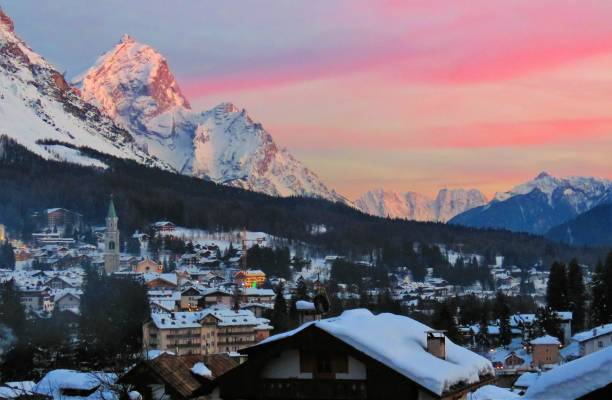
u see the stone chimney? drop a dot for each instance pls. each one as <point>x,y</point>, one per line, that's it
<point>436,343</point>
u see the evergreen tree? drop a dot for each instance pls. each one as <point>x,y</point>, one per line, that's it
<point>548,323</point>
<point>556,291</point>
<point>502,313</point>
<point>133,246</point>
<point>12,312</point>
<point>576,295</point>
<point>444,319</point>
<point>7,255</point>
<point>280,318</point>
<point>601,309</point>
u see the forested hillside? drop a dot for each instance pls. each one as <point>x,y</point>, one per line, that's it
<point>29,183</point>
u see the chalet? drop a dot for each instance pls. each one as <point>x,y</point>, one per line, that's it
<point>161,281</point>
<point>594,339</point>
<point>251,278</point>
<point>59,282</point>
<point>545,351</point>
<point>347,358</point>
<point>306,311</point>
<point>164,226</point>
<point>257,295</point>
<point>216,297</point>
<point>586,378</point>
<point>190,298</point>
<point>258,309</point>
<point>36,299</point>
<point>170,377</point>
<point>67,300</point>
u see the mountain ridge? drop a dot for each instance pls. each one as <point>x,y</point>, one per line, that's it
<point>134,85</point>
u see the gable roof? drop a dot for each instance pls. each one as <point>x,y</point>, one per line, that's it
<point>175,371</point>
<point>593,333</point>
<point>403,348</point>
<point>574,379</point>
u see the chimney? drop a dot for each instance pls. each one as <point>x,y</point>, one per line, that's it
<point>436,343</point>
<point>594,331</point>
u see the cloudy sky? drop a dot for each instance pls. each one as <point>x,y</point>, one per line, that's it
<point>406,95</point>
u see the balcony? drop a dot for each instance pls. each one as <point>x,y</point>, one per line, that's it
<point>312,389</point>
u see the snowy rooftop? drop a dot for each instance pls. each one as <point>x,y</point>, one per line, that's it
<point>491,392</point>
<point>403,348</point>
<point>546,339</point>
<point>593,333</point>
<point>574,379</point>
<point>55,381</point>
<point>303,305</point>
<point>526,379</point>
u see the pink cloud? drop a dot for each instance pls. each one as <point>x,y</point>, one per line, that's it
<point>439,41</point>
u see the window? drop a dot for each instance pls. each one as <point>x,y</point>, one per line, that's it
<point>600,343</point>
<point>111,245</point>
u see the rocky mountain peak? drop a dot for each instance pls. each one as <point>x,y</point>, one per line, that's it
<point>6,22</point>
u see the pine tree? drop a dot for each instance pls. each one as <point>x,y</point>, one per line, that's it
<point>12,312</point>
<point>547,323</point>
<point>444,319</point>
<point>576,295</point>
<point>556,291</point>
<point>601,309</point>
<point>280,318</point>
<point>502,313</point>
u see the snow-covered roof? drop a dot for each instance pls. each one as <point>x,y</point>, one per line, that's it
<point>546,339</point>
<point>201,369</point>
<point>57,380</point>
<point>526,379</point>
<point>404,348</point>
<point>491,392</point>
<point>258,292</point>
<point>593,333</point>
<point>574,379</point>
<point>303,305</point>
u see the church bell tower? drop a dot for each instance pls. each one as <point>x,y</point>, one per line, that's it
<point>111,240</point>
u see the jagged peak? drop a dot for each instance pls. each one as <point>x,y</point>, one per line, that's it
<point>126,38</point>
<point>6,21</point>
<point>543,175</point>
<point>227,107</point>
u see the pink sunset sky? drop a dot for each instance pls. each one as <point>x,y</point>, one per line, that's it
<point>406,95</point>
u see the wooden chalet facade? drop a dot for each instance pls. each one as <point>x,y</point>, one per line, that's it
<point>314,364</point>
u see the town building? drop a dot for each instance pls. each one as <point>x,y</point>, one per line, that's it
<point>2,233</point>
<point>148,265</point>
<point>164,226</point>
<point>355,356</point>
<point>250,278</point>
<point>594,339</point>
<point>111,240</point>
<point>63,221</point>
<point>545,351</point>
<point>213,330</point>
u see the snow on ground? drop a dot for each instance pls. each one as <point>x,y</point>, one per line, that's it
<point>574,379</point>
<point>404,348</point>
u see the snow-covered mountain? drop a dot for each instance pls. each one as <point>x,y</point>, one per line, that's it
<point>539,204</point>
<point>38,109</point>
<point>133,84</point>
<point>415,206</point>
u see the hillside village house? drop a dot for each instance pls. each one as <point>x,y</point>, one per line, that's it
<point>545,351</point>
<point>345,358</point>
<point>594,339</point>
<point>164,226</point>
<point>251,278</point>
<point>63,221</point>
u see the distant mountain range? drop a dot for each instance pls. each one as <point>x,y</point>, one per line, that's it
<point>539,205</point>
<point>418,207</point>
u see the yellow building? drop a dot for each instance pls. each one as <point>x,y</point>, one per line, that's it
<point>250,278</point>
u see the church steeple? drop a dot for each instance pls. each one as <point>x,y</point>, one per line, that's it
<point>111,209</point>
<point>111,240</point>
